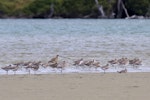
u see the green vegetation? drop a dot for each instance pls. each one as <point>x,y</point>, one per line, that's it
<point>71,8</point>
<point>138,7</point>
<point>13,8</point>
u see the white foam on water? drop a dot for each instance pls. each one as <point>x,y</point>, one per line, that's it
<point>68,70</point>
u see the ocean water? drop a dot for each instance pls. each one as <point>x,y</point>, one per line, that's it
<point>99,39</point>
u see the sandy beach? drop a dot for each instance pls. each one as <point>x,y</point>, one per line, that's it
<point>74,86</point>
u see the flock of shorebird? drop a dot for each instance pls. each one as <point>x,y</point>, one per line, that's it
<point>54,63</point>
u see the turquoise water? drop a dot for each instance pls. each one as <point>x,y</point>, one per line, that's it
<point>41,39</point>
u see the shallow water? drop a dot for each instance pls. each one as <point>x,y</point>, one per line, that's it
<point>103,40</point>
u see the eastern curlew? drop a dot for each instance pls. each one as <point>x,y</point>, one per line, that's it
<point>54,60</point>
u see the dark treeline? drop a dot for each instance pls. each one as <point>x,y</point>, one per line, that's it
<point>74,8</point>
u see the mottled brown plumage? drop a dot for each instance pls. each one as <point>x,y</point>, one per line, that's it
<point>54,60</point>
<point>122,71</point>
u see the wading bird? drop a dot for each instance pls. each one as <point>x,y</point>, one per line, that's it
<point>104,68</point>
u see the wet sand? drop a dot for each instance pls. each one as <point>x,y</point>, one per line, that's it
<point>109,86</point>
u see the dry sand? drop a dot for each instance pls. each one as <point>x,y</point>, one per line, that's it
<point>109,86</point>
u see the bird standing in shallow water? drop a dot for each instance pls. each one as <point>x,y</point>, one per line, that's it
<point>53,65</point>
<point>123,62</point>
<point>35,68</point>
<point>61,65</point>
<point>54,60</point>
<point>7,68</point>
<point>104,68</point>
<point>77,62</point>
<point>123,71</point>
<point>113,62</point>
<point>29,67</point>
<point>135,62</point>
<point>96,65</point>
<point>15,68</point>
<point>89,63</point>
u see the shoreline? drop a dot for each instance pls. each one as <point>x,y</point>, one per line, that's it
<point>72,70</point>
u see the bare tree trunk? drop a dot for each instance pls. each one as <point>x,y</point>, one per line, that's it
<point>126,12</point>
<point>120,8</point>
<point>118,4</point>
<point>100,9</point>
<point>51,11</point>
